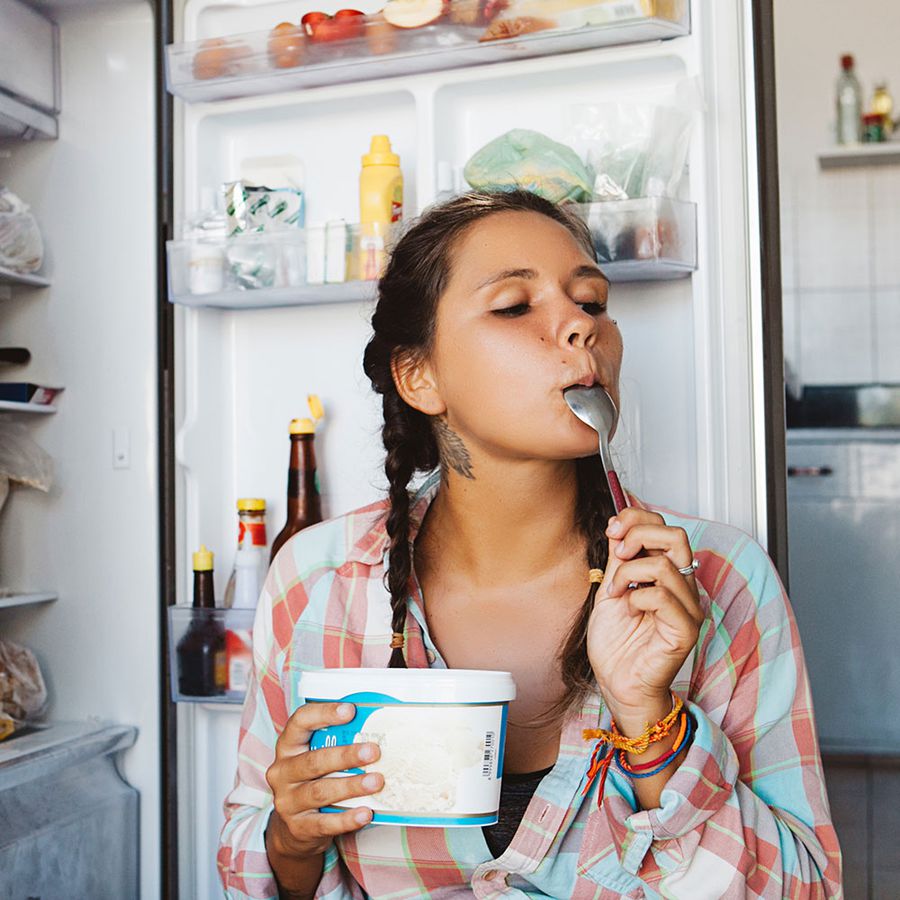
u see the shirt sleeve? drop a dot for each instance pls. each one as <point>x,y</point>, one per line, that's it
<point>242,860</point>
<point>746,814</point>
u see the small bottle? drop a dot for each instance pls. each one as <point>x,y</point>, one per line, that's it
<point>304,503</point>
<point>883,105</point>
<point>201,651</point>
<point>251,559</point>
<point>848,95</point>
<point>380,205</point>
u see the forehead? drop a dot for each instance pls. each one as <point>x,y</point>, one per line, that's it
<point>509,240</point>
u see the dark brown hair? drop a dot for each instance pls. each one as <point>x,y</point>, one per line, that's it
<point>416,276</point>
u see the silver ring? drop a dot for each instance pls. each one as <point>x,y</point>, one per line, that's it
<point>689,570</point>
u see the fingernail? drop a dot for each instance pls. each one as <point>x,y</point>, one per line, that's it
<point>370,782</point>
<point>345,710</point>
<point>615,527</point>
<point>363,816</point>
<point>367,752</point>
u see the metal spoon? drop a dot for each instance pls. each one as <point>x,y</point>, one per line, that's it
<point>596,408</point>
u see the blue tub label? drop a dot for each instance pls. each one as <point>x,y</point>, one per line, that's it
<point>442,763</point>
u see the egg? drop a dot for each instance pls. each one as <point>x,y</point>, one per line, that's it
<point>286,45</point>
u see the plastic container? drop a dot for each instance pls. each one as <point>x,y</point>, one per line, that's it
<point>441,732</point>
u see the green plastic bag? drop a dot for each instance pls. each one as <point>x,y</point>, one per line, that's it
<point>531,161</point>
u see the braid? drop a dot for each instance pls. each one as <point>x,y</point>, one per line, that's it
<point>398,466</point>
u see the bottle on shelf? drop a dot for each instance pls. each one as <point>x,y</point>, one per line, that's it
<point>848,96</point>
<point>883,106</point>
<point>380,205</point>
<point>201,651</point>
<point>304,503</point>
<point>251,559</point>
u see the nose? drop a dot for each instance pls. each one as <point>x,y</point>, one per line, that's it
<point>579,329</point>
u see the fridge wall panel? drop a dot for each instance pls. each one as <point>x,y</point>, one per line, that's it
<point>93,539</point>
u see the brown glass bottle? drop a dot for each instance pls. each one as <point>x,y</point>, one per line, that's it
<point>201,652</point>
<point>304,504</point>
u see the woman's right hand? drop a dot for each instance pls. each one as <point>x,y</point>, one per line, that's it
<point>300,786</point>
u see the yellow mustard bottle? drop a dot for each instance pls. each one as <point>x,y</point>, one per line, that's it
<point>380,205</point>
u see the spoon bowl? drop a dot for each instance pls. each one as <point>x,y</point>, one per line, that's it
<point>596,408</point>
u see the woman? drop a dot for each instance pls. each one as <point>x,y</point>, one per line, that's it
<point>491,306</point>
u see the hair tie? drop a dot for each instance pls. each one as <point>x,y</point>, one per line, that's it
<point>397,640</point>
<point>596,576</point>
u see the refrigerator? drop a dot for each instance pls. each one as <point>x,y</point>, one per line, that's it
<point>201,387</point>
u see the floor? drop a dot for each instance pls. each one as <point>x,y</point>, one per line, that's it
<point>865,809</point>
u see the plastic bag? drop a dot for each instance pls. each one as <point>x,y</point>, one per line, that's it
<point>21,245</point>
<point>636,149</point>
<point>22,460</point>
<point>23,694</point>
<point>531,161</point>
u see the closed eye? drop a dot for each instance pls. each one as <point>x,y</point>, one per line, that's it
<point>512,312</point>
<point>593,308</point>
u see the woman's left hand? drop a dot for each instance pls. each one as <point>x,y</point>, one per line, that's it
<point>638,638</point>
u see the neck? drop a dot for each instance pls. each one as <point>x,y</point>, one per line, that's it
<point>513,518</point>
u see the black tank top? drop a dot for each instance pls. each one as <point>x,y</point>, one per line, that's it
<point>515,795</point>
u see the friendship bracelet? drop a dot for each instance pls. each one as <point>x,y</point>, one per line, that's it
<point>650,735</point>
<point>622,764</point>
<point>642,767</point>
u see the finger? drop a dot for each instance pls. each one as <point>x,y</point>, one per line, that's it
<point>668,612</point>
<point>628,518</point>
<point>313,795</point>
<point>305,720</point>
<point>333,824</point>
<point>670,540</point>
<point>327,761</point>
<point>659,571</point>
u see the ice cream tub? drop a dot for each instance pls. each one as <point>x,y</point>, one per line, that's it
<point>441,733</point>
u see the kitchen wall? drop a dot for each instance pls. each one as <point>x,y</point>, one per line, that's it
<point>840,228</point>
<point>94,538</point>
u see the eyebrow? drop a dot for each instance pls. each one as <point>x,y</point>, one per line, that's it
<point>530,274</point>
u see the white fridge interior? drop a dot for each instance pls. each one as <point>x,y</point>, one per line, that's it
<point>692,374</point>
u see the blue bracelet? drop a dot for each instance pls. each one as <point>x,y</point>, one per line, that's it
<point>689,730</point>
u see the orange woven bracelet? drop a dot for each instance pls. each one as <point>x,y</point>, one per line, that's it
<point>637,745</point>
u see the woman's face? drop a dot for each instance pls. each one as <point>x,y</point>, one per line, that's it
<point>522,318</point>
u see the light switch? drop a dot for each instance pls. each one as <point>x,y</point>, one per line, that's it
<point>121,448</point>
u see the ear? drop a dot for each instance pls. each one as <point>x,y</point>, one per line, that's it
<point>416,384</point>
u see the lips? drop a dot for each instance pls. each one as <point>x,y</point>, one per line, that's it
<point>587,380</point>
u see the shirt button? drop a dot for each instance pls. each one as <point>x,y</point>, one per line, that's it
<point>429,655</point>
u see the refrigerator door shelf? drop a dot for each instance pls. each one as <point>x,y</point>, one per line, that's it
<point>644,239</point>
<point>26,599</point>
<point>242,65</point>
<point>8,276</point>
<point>260,270</point>
<point>212,631</point>
<point>18,407</point>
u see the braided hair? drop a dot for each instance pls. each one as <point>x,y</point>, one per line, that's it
<point>403,323</point>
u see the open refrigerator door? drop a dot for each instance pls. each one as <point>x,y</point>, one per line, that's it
<point>247,354</point>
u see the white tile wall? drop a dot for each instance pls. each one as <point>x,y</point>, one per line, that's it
<point>791,327</point>
<point>887,334</point>
<point>886,227</point>
<point>836,337</point>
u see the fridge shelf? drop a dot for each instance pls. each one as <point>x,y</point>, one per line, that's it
<point>26,599</point>
<point>8,276</point>
<point>15,406</point>
<point>255,63</point>
<point>645,239</point>
<point>200,640</point>
<point>256,271</point>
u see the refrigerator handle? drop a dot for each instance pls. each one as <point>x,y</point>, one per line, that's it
<point>809,471</point>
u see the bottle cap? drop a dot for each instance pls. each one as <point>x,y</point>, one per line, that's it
<point>203,560</point>
<point>380,153</point>
<point>302,426</point>
<point>315,406</point>
<point>251,504</point>
<point>847,61</point>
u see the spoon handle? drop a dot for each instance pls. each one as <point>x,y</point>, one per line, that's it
<point>620,501</point>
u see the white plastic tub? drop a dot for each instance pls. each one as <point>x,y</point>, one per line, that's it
<point>441,732</point>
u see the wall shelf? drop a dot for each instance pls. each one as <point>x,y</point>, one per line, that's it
<point>240,66</point>
<point>26,599</point>
<point>884,154</point>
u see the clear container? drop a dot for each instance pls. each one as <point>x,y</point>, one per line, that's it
<point>236,626</point>
<point>261,62</point>
<point>646,239</point>
<point>442,734</point>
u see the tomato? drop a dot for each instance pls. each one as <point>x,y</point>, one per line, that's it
<point>344,25</point>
